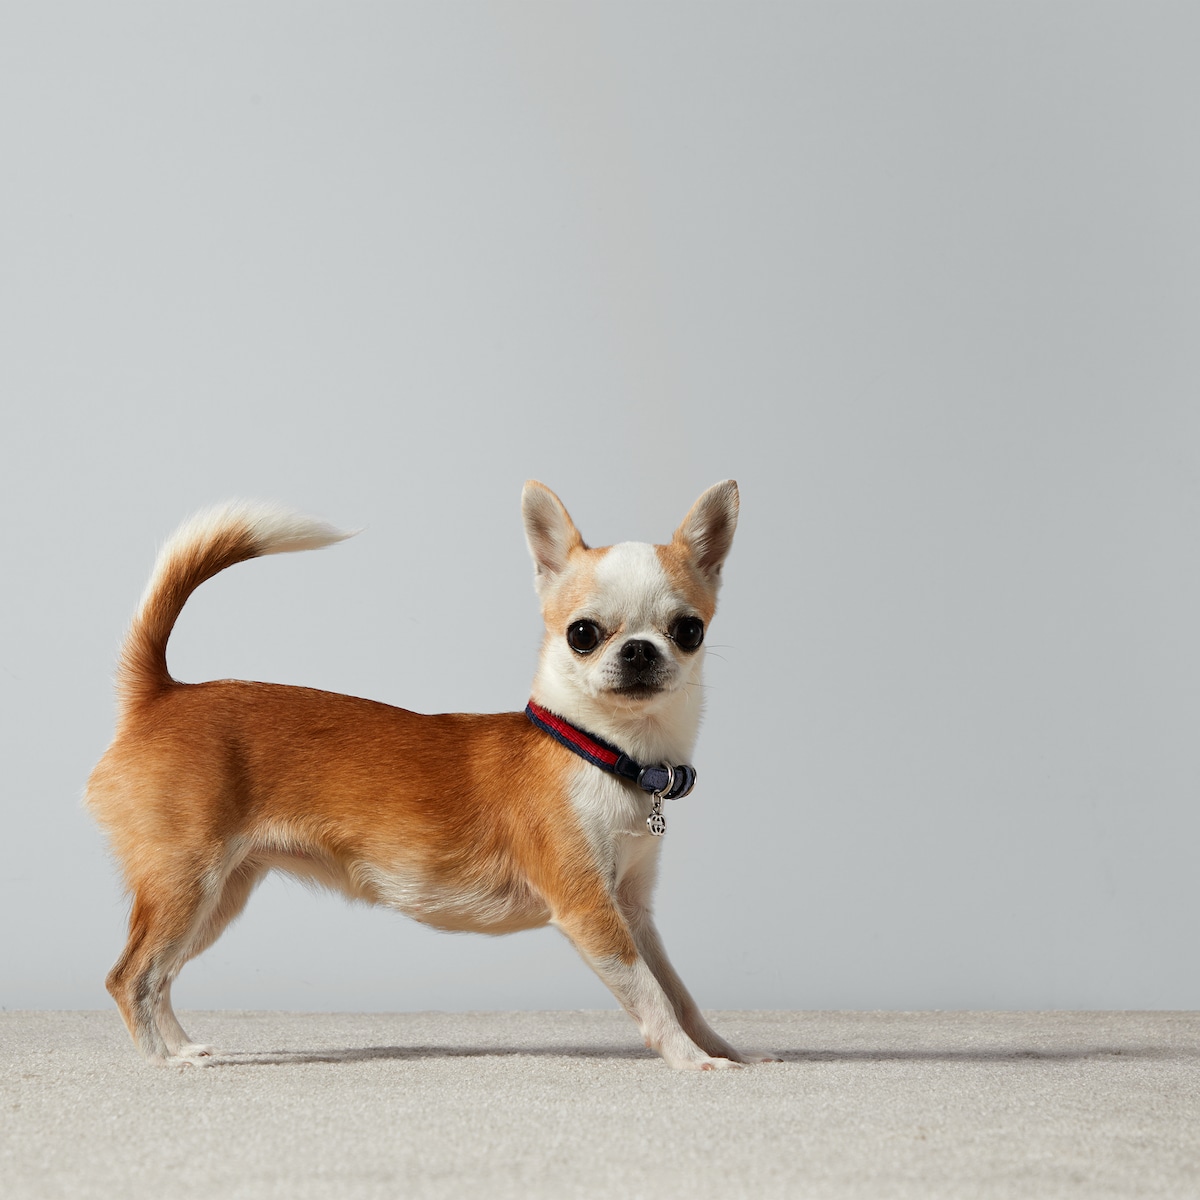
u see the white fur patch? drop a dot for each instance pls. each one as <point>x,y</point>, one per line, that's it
<point>613,818</point>
<point>479,908</point>
<point>631,583</point>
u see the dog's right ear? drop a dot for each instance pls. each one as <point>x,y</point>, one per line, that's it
<point>549,531</point>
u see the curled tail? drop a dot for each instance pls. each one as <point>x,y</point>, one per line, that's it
<point>200,548</point>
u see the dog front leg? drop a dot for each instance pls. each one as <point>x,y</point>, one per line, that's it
<point>602,936</point>
<point>633,899</point>
<point>691,1019</point>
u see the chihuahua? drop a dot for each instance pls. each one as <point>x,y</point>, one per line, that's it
<point>491,823</point>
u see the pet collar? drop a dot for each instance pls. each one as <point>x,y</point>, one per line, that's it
<point>663,782</point>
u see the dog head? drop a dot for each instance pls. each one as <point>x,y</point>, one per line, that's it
<point>625,624</point>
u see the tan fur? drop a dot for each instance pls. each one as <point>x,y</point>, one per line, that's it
<point>467,822</point>
<point>572,592</point>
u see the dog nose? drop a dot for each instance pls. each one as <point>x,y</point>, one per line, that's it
<point>639,653</point>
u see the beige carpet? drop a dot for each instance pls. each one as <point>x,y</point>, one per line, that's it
<point>877,1105</point>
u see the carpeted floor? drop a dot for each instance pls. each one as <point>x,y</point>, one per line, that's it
<point>568,1104</point>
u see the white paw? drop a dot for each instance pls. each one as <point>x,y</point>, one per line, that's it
<point>701,1062</point>
<point>683,1054</point>
<point>192,1054</point>
<point>716,1064</point>
<point>757,1056</point>
<point>719,1048</point>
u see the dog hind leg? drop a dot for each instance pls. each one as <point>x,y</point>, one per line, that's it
<point>137,979</point>
<point>170,908</point>
<point>234,895</point>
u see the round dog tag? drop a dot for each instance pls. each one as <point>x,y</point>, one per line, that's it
<point>657,824</point>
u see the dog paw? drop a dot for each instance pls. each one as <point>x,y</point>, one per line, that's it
<point>193,1055</point>
<point>703,1062</point>
<point>750,1057</point>
<point>719,1048</point>
<point>718,1064</point>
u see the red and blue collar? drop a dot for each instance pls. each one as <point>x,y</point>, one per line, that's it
<point>663,781</point>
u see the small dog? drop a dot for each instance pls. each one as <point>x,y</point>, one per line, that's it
<point>490,823</point>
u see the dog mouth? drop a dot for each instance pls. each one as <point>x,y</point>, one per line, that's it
<point>638,689</point>
<point>639,684</point>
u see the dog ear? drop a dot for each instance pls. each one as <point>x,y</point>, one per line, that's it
<point>549,530</point>
<point>707,531</point>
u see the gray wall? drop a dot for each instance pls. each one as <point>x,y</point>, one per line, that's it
<point>924,278</point>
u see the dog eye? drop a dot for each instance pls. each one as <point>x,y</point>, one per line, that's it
<point>687,633</point>
<point>584,636</point>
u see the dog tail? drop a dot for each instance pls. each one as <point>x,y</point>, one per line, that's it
<point>200,548</point>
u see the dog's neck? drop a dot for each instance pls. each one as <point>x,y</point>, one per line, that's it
<point>660,730</point>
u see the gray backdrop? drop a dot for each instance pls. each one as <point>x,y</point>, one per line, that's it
<point>923,277</point>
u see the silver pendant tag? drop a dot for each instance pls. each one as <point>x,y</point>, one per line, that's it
<point>656,822</point>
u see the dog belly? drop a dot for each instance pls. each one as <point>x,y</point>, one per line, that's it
<point>475,907</point>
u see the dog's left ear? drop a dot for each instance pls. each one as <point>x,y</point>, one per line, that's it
<point>707,531</point>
